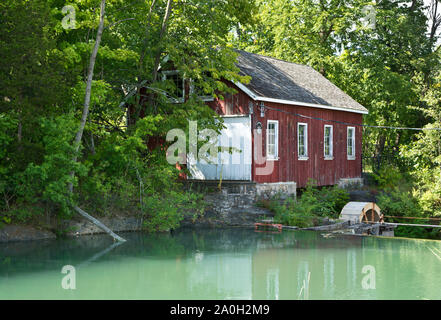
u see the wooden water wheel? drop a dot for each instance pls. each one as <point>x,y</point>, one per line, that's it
<point>357,212</point>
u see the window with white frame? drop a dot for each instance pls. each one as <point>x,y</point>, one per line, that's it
<point>272,139</point>
<point>351,143</point>
<point>328,142</point>
<point>302,140</point>
<point>177,93</point>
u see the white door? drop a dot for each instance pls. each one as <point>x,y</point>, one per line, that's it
<point>228,166</point>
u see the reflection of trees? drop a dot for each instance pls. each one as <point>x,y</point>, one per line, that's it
<point>52,254</point>
<point>237,263</point>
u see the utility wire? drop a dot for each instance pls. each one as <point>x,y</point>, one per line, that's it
<point>347,123</point>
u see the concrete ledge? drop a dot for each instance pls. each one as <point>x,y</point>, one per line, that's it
<point>347,182</point>
<point>268,190</point>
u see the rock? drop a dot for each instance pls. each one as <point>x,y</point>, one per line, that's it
<point>11,233</point>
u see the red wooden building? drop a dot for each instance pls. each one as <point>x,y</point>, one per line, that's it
<point>291,125</point>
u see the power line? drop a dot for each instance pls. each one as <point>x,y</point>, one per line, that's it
<point>348,123</point>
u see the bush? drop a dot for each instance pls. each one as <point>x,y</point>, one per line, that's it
<point>165,212</point>
<point>388,177</point>
<point>399,203</point>
<point>311,206</point>
<point>295,214</point>
<point>45,182</point>
<point>331,200</point>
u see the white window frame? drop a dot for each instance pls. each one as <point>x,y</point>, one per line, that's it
<point>171,73</point>
<point>276,140</point>
<point>203,98</point>
<point>350,156</point>
<point>331,142</point>
<point>305,156</point>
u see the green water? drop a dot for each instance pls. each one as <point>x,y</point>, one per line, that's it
<point>223,264</point>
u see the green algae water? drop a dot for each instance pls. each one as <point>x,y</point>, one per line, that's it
<point>231,263</point>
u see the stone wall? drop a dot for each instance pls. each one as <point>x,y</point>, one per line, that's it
<point>350,182</point>
<point>234,203</point>
<point>269,190</point>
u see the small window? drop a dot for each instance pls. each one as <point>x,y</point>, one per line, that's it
<point>272,139</point>
<point>328,142</point>
<point>351,143</point>
<point>302,140</point>
<point>177,93</point>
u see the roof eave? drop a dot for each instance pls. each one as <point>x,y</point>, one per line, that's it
<point>255,97</point>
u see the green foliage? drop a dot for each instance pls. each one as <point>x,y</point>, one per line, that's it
<point>418,232</point>
<point>295,214</point>
<point>392,69</point>
<point>165,212</point>
<point>313,205</point>
<point>399,203</point>
<point>120,168</point>
<point>388,177</point>
<point>48,180</point>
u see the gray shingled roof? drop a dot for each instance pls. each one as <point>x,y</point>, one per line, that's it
<point>277,79</point>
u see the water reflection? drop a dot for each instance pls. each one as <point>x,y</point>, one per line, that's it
<point>222,264</point>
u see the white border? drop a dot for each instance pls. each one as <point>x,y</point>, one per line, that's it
<point>276,157</point>
<point>350,157</point>
<point>306,141</point>
<point>331,140</point>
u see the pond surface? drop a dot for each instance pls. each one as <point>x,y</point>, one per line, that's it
<point>231,263</point>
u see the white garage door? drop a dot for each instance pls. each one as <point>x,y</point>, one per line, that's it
<point>228,166</point>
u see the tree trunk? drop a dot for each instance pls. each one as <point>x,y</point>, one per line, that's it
<point>98,224</point>
<point>80,131</point>
<point>79,134</point>
<point>161,36</point>
<point>144,47</point>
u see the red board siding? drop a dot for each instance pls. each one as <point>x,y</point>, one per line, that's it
<point>288,167</point>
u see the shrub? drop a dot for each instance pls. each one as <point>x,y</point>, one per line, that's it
<point>331,200</point>
<point>311,206</point>
<point>295,214</point>
<point>388,177</point>
<point>399,203</point>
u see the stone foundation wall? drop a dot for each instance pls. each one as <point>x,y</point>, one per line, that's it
<point>347,182</point>
<point>284,189</point>
<point>234,203</point>
<point>231,203</point>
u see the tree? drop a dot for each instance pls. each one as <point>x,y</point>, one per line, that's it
<point>60,117</point>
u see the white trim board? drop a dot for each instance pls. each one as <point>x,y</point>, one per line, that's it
<point>276,139</point>
<point>353,141</point>
<point>331,142</point>
<point>305,136</point>
<point>291,102</point>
